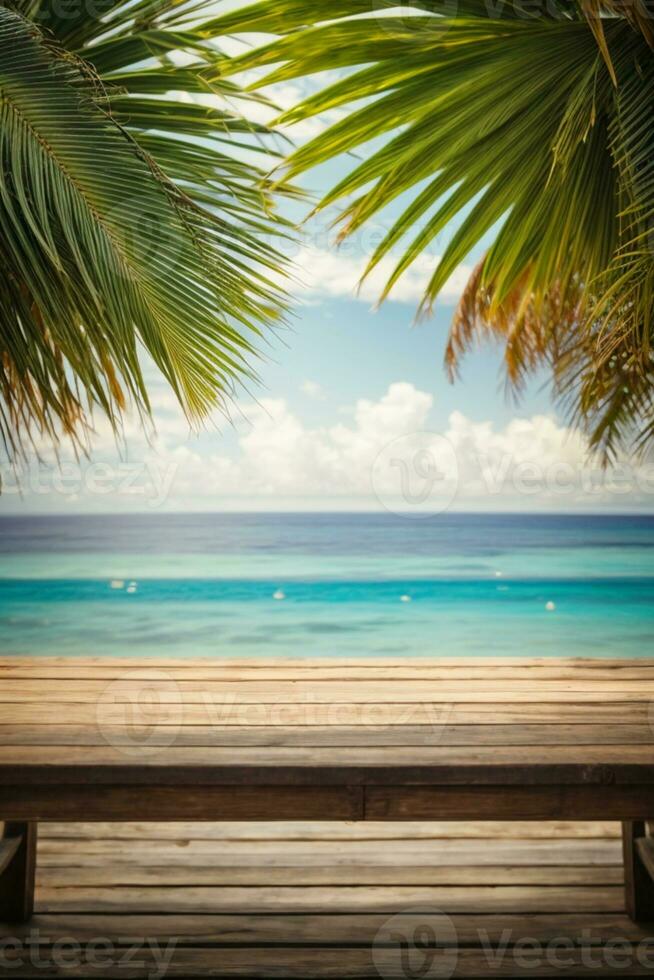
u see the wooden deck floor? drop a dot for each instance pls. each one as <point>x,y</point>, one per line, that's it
<point>307,900</point>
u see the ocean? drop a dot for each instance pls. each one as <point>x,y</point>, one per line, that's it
<point>327,585</point>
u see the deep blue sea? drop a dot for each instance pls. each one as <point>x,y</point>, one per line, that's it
<point>257,585</point>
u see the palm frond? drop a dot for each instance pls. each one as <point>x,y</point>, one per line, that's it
<point>132,218</point>
<point>534,131</point>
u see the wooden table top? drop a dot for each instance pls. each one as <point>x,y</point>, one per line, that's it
<point>352,730</point>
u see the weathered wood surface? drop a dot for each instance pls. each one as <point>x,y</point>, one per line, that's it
<point>424,739</point>
<point>494,900</point>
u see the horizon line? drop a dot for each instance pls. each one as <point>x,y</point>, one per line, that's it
<point>425,515</point>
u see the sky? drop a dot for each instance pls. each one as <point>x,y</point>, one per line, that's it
<point>353,412</point>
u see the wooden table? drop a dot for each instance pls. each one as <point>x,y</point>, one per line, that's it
<point>437,739</point>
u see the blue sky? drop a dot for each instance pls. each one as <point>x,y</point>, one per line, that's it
<point>339,387</point>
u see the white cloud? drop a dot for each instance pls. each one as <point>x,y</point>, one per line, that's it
<point>387,454</point>
<point>313,390</point>
<point>529,463</point>
<point>325,272</point>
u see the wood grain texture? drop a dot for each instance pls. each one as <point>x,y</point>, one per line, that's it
<point>434,714</point>
<point>355,964</point>
<point>338,736</point>
<point>229,834</point>
<point>541,912</point>
<point>181,802</point>
<point>435,739</point>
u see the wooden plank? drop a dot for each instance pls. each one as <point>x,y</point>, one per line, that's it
<point>424,712</point>
<point>291,831</point>
<point>169,690</point>
<point>17,871</point>
<point>200,802</point>
<point>80,872</point>
<point>320,853</point>
<point>210,802</point>
<point>368,898</point>
<point>483,762</point>
<point>327,930</point>
<point>356,964</point>
<point>610,802</point>
<point>336,735</point>
<point>409,758</point>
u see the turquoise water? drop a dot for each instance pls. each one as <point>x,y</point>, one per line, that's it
<point>327,585</point>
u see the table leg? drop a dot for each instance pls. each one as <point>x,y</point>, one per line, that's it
<point>638,850</point>
<point>17,871</point>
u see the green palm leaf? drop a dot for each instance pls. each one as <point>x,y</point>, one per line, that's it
<point>132,218</point>
<point>531,127</point>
